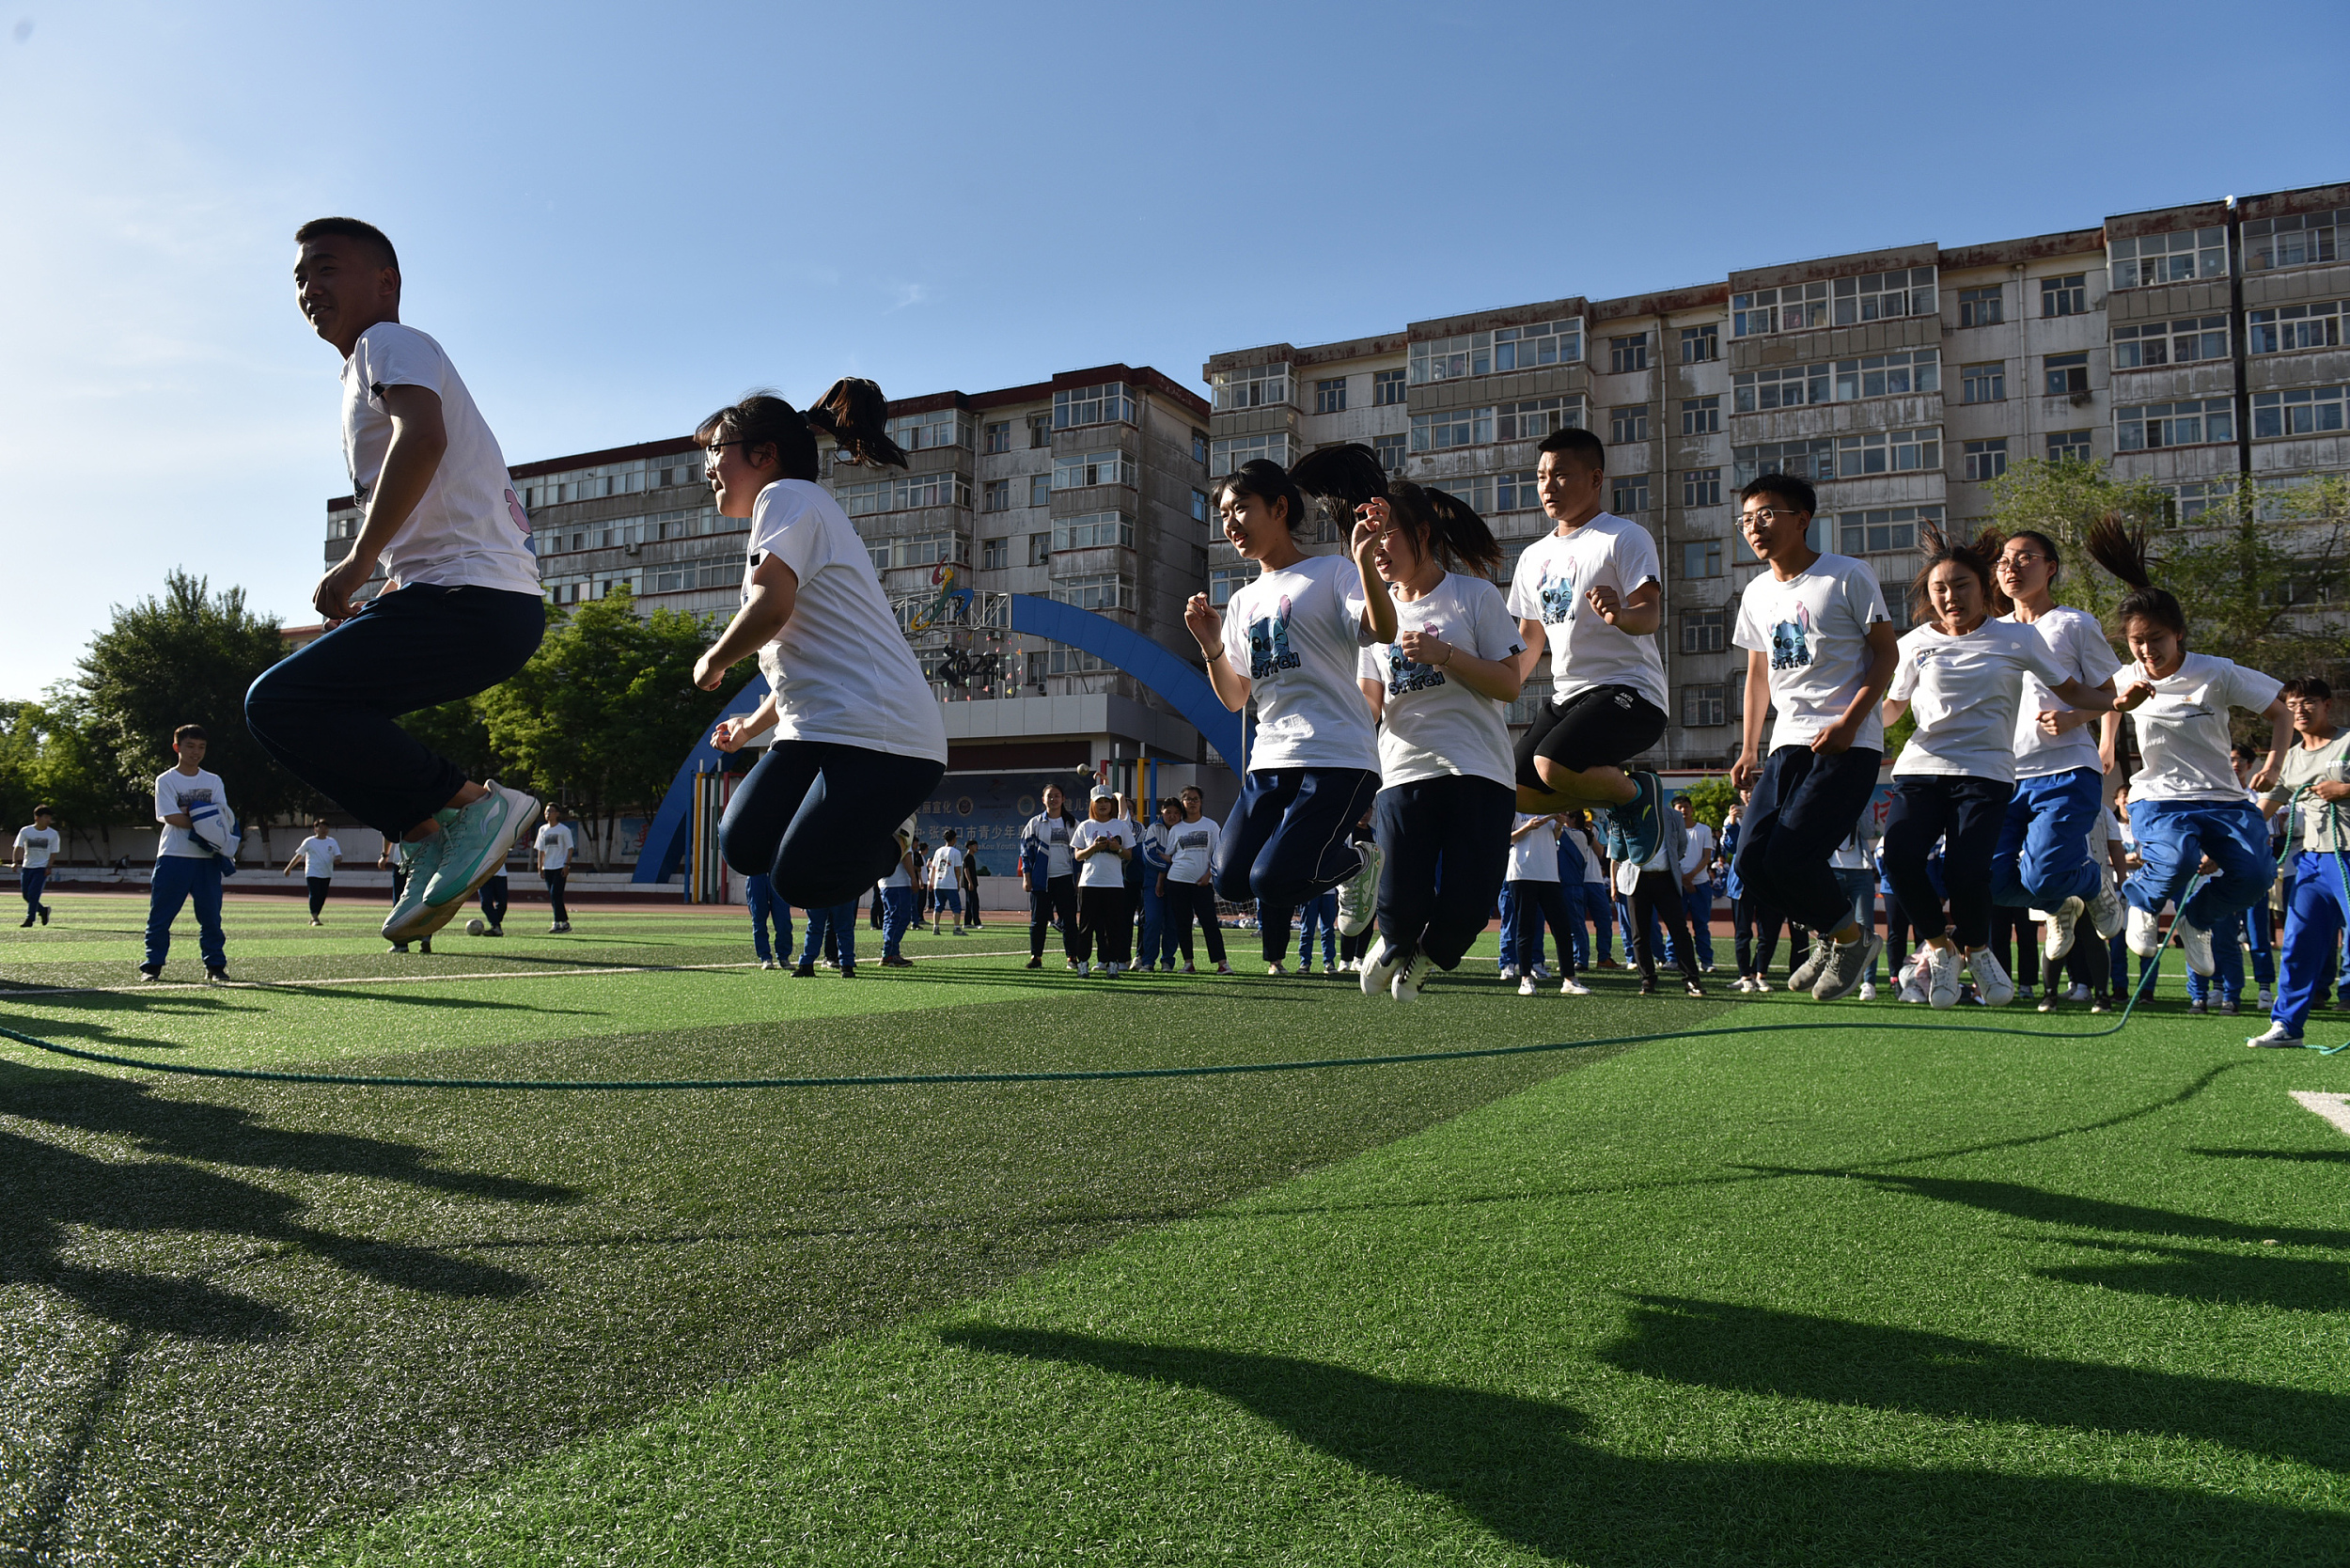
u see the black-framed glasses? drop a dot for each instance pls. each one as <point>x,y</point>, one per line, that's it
<point>711,452</point>
<point>1768,515</point>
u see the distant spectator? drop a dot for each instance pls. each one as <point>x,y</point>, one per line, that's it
<point>766,910</point>
<point>317,856</point>
<point>36,846</point>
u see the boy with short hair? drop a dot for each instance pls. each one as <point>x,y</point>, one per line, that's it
<point>461,608</point>
<point>946,883</point>
<point>186,866</point>
<point>316,856</point>
<point>551,855</point>
<point>37,844</point>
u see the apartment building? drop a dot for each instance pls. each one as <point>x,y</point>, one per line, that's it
<point>2198,346</point>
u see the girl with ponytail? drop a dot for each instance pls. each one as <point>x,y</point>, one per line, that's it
<point>1440,685</point>
<point>1963,672</point>
<point>858,738</point>
<point>2186,802</point>
<point>1291,641</point>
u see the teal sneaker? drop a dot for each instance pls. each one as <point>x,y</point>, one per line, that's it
<point>407,919</point>
<point>1642,818</point>
<point>474,846</point>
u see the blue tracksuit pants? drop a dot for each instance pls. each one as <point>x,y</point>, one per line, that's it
<point>2174,836</point>
<point>178,879</point>
<point>2315,918</point>
<point>1289,838</point>
<point>2042,858</point>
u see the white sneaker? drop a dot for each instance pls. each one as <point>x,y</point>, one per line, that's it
<point>1274,969</point>
<point>1762,983</point>
<point>2266,1001</point>
<point>2145,938</point>
<point>1868,991</point>
<point>1508,971</point>
<point>1742,984</point>
<point>2107,913</point>
<point>1573,987</point>
<point>2273,1038</point>
<point>1942,981</point>
<point>2062,921</point>
<point>1526,986</point>
<point>1991,980</point>
<point>2196,941</point>
<point>1414,976</point>
<point>1379,963</point>
<point>1914,982</point>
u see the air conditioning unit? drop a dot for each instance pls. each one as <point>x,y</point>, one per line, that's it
<point>2082,400</point>
<point>634,546</point>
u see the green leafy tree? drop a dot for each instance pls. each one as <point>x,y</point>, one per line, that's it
<point>1711,799</point>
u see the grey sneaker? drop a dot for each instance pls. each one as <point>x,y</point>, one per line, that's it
<point>408,918</point>
<point>2107,913</point>
<point>1847,965</point>
<point>1815,963</point>
<point>1358,900</point>
<point>2062,921</point>
<point>474,845</point>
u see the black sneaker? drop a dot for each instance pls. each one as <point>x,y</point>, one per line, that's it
<point>44,914</point>
<point>805,971</point>
<point>26,921</point>
<point>1036,963</point>
<point>1695,989</point>
<point>1648,988</point>
<point>151,971</point>
<point>218,977</point>
<point>2228,1007</point>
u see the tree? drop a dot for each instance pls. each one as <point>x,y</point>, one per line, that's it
<point>1711,799</point>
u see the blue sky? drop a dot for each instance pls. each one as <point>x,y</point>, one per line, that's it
<point>616,218</point>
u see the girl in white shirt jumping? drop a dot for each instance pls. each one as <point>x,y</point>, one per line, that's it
<point>859,739</point>
<point>1964,674</point>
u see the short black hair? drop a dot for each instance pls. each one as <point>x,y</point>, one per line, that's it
<point>2308,687</point>
<point>351,228</point>
<point>1580,444</point>
<point>1796,492</point>
<point>189,732</point>
<point>42,811</point>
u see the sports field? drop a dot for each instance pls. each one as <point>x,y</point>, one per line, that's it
<point>1896,1294</point>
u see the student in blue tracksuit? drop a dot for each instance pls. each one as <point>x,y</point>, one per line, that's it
<point>186,869</point>
<point>35,847</point>
<point>2313,800</point>
<point>1049,876</point>
<point>1570,885</point>
<point>1157,854</point>
<point>758,892</point>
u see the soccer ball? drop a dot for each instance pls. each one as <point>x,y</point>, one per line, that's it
<point>475,928</point>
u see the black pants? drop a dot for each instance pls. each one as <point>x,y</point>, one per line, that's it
<point>1658,896</point>
<point>1445,844</point>
<point>2009,921</point>
<point>1352,948</point>
<point>493,894</point>
<point>1968,815</point>
<point>821,819</point>
<point>318,885</point>
<point>1803,806</point>
<point>1188,901</point>
<point>327,713</point>
<point>1539,904</point>
<point>1897,931</point>
<point>1754,925</point>
<point>1059,895</point>
<point>555,881</point>
<point>1102,919</point>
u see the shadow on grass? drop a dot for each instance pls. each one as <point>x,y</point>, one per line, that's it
<point>2228,1278</point>
<point>2018,1202</point>
<point>1526,1470</point>
<point>2294,1156</point>
<point>55,1190</point>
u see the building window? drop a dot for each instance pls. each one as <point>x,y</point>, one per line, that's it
<point>1092,529</point>
<point>1701,415</point>
<point>1201,511</point>
<point>1104,592</point>
<point>2301,240</point>
<point>2069,447</point>
<point>1626,354</point>
<point>1330,396</point>
<point>1701,557</point>
<point>903,492</point>
<point>1230,451</point>
<point>2294,326</point>
<point>2152,258</point>
<point>994,554</point>
<point>1390,450</point>
<point>1983,383</point>
<point>1225,580</point>
<point>2148,427</point>
<point>1040,430</point>
<point>1889,375</point>
<point>1040,490</point>
<point>1791,309</point>
<point>1629,493</point>
<point>1251,386</point>
<point>920,550</point>
<point>2170,343</point>
<point>1627,423</point>
<point>1457,427</point>
<point>1110,403</point>
<point>1789,386</point>
<point>1490,494</point>
<point>1480,353</point>
<point>1089,468</point>
<point>1704,707</point>
<point>2305,411</point>
<point>1389,386</point>
<point>2197,498</point>
<point>1200,446</point>
<point>996,496</point>
<point>999,436</point>
<point>1884,531</point>
<point>1536,417</point>
<point>923,432</point>
<point>1985,459</point>
<point>1802,460</point>
<point>1981,306</point>
<point>1701,487</point>
<point>1885,296</point>
<point>2064,296</point>
<point>1887,452</point>
<point>1704,630</point>
<point>2062,375</point>
<point>1700,343</point>
<point>1040,549</point>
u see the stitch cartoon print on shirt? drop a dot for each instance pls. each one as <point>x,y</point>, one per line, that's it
<point>1561,597</point>
<point>1408,675</point>
<point>1269,643</point>
<point>1791,645</point>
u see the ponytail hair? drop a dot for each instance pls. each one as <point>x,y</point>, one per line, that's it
<point>853,413</point>
<point>1975,555</point>
<point>2122,550</point>
<point>1341,476</point>
<point>1444,525</point>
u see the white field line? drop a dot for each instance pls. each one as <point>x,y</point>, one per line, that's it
<point>2335,1108</point>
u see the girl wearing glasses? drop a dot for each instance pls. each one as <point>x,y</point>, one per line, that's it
<point>858,738</point>
<point>1962,673</point>
<point>2043,860</point>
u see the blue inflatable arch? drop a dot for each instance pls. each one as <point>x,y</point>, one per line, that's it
<point>1174,681</point>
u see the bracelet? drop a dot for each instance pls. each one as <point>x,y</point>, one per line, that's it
<point>1214,656</point>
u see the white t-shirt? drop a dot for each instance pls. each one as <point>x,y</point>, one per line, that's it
<point>38,844</point>
<point>1965,692</point>
<point>1551,579</point>
<point>1295,633</point>
<point>1535,857</point>
<point>1701,851</point>
<point>899,876</point>
<point>175,791</point>
<point>839,668</point>
<point>2183,728</point>
<point>1195,850</point>
<point>319,856</point>
<point>469,530</point>
<point>1053,833</point>
<point>1813,628</point>
<point>1104,869</point>
<point>2079,645</point>
<point>554,843</point>
<point>1436,726</point>
<point>946,863</point>
<point>1591,871</point>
